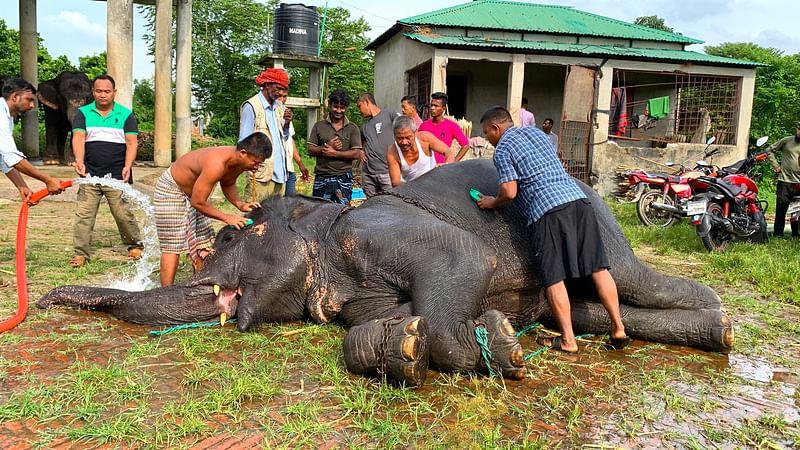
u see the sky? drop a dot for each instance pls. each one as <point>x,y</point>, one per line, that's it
<point>77,27</point>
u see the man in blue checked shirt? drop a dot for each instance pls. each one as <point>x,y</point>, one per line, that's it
<point>563,226</point>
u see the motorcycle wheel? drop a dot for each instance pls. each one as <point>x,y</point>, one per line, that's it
<point>760,237</point>
<point>654,217</point>
<point>717,239</point>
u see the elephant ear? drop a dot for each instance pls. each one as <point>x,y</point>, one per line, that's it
<point>47,94</point>
<point>313,219</point>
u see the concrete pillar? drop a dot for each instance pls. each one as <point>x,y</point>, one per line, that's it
<point>747,86</point>
<point>516,81</point>
<point>603,103</point>
<point>163,84</point>
<point>313,115</point>
<point>438,73</point>
<point>28,49</point>
<point>119,48</point>
<point>183,79</point>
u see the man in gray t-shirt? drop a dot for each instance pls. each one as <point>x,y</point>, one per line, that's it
<point>376,136</point>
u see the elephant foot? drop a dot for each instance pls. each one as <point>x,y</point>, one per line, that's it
<point>724,335</point>
<point>507,358</point>
<point>396,347</point>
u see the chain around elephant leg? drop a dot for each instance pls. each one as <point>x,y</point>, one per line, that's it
<point>507,357</point>
<point>395,347</point>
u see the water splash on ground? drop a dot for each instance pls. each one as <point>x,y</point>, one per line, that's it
<point>140,279</point>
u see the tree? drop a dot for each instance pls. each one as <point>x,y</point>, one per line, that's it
<point>776,100</point>
<point>344,40</point>
<point>226,47</point>
<point>49,67</point>
<point>654,22</point>
<point>144,103</point>
<point>228,37</point>
<point>93,65</point>
<point>9,57</point>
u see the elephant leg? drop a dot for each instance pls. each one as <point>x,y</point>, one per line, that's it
<point>52,130</point>
<point>452,308</point>
<point>707,329</point>
<point>61,146</point>
<point>395,347</point>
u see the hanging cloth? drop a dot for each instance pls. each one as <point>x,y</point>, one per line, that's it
<point>619,111</point>
<point>658,107</point>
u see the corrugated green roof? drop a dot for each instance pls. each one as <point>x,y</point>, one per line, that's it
<point>598,50</point>
<point>530,17</point>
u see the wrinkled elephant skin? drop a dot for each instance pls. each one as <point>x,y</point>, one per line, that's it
<point>415,273</point>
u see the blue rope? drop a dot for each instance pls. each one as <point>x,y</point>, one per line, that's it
<point>186,326</point>
<point>482,337</point>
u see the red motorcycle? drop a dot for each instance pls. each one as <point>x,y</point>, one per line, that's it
<point>728,208</point>
<point>661,198</point>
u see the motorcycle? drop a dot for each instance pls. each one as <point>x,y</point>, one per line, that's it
<point>661,198</point>
<point>728,208</point>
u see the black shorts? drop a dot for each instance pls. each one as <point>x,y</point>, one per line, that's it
<point>568,244</point>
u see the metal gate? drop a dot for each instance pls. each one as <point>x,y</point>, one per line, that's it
<point>576,121</point>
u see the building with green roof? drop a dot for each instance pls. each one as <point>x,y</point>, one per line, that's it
<point>618,92</point>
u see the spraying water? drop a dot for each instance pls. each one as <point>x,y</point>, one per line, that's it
<point>146,265</point>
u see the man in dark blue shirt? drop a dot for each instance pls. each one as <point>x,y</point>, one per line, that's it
<point>562,222</point>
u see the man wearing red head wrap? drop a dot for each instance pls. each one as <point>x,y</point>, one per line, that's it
<point>264,112</point>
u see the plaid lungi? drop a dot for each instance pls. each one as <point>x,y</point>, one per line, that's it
<point>181,228</point>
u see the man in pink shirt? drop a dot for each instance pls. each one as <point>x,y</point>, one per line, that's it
<point>444,129</point>
<point>526,118</point>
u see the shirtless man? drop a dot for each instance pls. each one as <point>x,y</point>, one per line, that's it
<point>181,199</point>
<point>411,153</point>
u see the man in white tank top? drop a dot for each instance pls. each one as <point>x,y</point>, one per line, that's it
<point>411,153</point>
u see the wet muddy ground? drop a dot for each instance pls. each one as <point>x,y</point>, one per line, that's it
<point>78,379</point>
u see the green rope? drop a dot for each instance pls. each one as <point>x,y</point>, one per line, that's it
<point>482,337</point>
<point>535,353</point>
<point>185,326</point>
<point>530,327</point>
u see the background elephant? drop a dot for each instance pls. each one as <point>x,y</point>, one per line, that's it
<point>417,273</point>
<point>60,98</point>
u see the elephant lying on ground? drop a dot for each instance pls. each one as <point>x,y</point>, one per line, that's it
<point>414,273</point>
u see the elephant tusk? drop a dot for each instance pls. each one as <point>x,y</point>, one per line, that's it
<point>222,318</point>
<point>216,289</point>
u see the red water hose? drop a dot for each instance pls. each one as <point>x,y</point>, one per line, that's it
<point>22,279</point>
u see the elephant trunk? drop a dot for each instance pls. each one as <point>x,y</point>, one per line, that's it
<point>162,306</point>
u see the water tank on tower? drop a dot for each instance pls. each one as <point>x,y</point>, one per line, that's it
<point>296,30</point>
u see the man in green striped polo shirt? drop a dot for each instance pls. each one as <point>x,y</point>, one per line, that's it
<point>104,142</point>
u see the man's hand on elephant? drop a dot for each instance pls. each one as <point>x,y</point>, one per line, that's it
<point>486,202</point>
<point>126,173</point>
<point>249,206</point>
<point>237,222</point>
<point>363,155</point>
<point>80,168</point>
